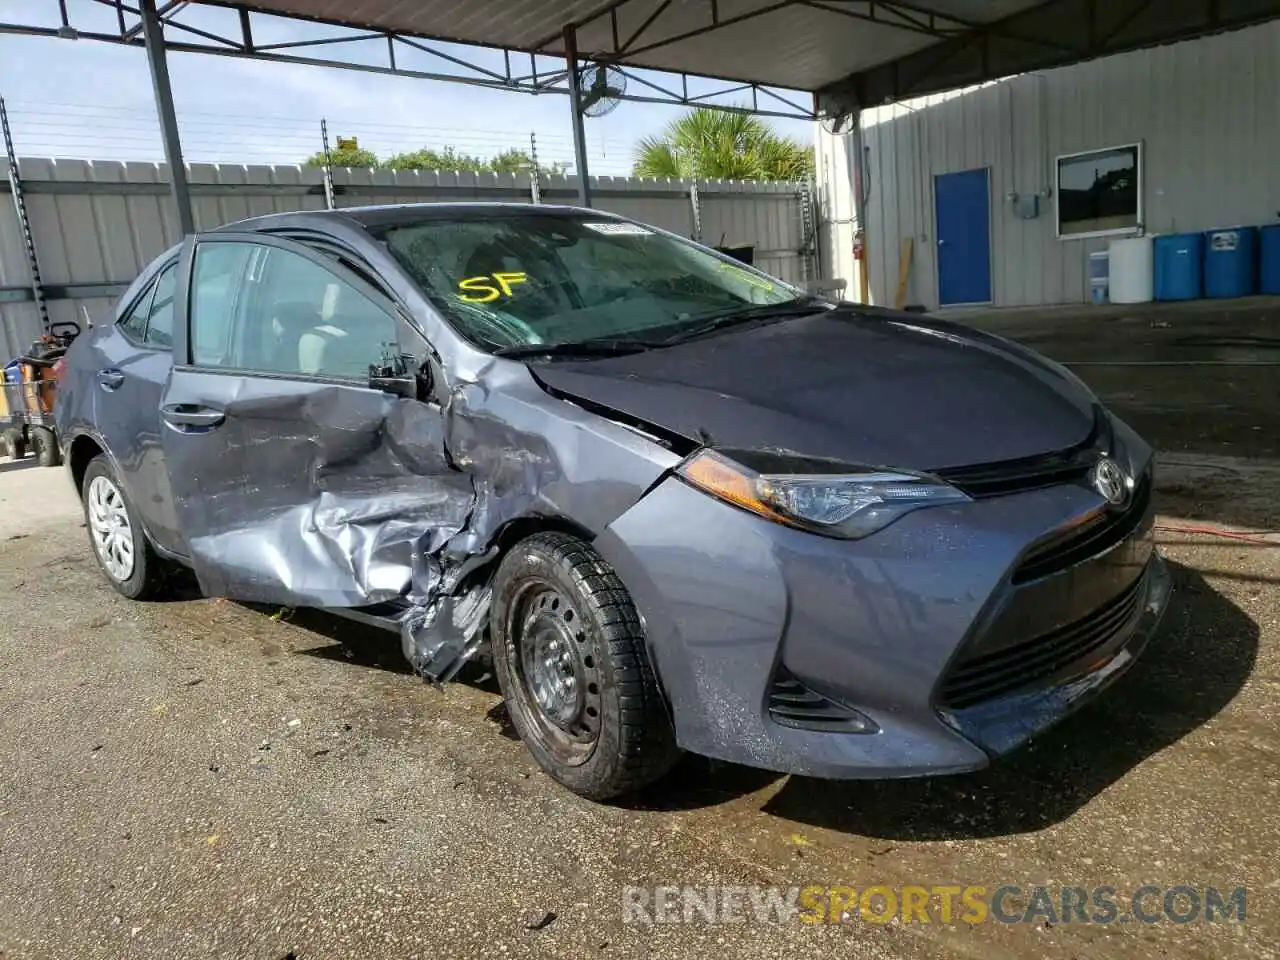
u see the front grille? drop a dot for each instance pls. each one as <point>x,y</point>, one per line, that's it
<point>792,704</point>
<point>985,676</point>
<point>1065,548</point>
<point>1003,477</point>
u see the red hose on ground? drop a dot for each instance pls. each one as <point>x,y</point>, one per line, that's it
<point>1258,537</point>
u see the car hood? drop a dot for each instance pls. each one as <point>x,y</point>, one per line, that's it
<point>865,387</point>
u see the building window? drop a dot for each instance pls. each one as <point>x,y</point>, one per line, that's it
<point>1100,192</point>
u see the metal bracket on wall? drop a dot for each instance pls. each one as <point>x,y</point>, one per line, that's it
<point>808,233</point>
<point>24,222</point>
<point>695,205</point>
<point>328,165</point>
<point>535,178</point>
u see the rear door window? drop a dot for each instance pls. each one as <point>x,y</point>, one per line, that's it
<point>134,325</point>
<point>159,332</point>
<point>150,320</point>
<point>215,284</point>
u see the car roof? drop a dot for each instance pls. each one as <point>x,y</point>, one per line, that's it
<point>386,215</point>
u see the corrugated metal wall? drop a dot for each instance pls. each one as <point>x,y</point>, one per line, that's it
<point>1206,111</point>
<point>100,222</point>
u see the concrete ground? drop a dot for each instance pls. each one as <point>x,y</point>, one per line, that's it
<point>197,779</point>
<point>1196,377</point>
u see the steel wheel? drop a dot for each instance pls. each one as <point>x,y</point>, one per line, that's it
<point>110,527</point>
<point>570,655</point>
<point>557,673</point>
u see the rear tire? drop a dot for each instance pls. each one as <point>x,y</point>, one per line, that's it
<point>45,444</point>
<point>116,535</point>
<point>569,653</point>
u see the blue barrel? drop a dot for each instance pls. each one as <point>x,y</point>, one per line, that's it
<point>1231,262</point>
<point>1179,261</point>
<point>1269,267</point>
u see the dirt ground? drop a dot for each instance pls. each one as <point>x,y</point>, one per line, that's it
<point>195,779</point>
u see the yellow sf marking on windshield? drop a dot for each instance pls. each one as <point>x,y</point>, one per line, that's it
<point>484,289</point>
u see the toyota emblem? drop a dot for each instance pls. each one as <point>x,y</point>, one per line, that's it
<point>1110,481</point>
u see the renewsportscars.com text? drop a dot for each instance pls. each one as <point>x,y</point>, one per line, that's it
<point>939,903</point>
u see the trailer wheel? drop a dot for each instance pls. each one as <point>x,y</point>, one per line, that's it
<point>16,443</point>
<point>45,445</point>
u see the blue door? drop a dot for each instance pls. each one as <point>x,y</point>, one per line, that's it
<point>963,205</point>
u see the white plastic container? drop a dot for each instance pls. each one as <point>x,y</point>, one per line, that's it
<point>1131,269</point>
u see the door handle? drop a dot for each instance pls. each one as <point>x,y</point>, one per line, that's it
<point>110,379</point>
<point>189,415</point>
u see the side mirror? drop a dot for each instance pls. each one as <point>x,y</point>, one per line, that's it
<point>401,386</point>
<point>402,377</point>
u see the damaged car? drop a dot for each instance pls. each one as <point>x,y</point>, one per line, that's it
<point>682,505</point>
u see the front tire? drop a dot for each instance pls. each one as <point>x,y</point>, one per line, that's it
<point>116,535</point>
<point>570,657</point>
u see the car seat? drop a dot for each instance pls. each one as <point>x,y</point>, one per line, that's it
<point>332,351</point>
<point>290,321</point>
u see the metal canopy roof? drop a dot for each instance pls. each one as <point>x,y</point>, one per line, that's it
<point>850,53</point>
<point>853,53</point>
<point>784,43</point>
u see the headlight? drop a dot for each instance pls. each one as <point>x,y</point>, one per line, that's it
<point>824,497</point>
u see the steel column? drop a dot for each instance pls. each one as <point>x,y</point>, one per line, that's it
<point>153,37</point>
<point>579,133</point>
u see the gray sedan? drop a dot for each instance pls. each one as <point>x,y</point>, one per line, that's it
<point>679,503</point>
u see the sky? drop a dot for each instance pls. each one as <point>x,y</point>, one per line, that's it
<point>94,100</point>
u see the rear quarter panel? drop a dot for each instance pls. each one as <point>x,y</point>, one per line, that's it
<point>74,410</point>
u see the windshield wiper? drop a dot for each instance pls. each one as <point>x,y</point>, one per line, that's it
<point>800,307</point>
<point>579,348</point>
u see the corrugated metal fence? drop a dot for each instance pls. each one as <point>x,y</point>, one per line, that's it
<point>97,223</point>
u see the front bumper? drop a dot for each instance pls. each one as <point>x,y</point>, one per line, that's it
<point>731,603</point>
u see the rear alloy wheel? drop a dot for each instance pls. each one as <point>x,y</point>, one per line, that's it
<point>121,547</point>
<point>570,657</point>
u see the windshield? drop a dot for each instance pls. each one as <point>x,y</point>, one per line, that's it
<point>527,279</point>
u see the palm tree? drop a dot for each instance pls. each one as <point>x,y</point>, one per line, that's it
<point>713,144</point>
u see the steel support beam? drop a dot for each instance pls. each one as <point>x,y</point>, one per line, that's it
<point>241,44</point>
<point>153,38</point>
<point>575,100</point>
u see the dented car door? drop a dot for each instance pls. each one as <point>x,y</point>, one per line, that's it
<point>300,478</point>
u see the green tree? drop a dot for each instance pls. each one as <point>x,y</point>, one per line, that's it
<point>515,160</point>
<point>715,145</point>
<point>356,159</point>
<point>512,160</point>
<point>448,158</point>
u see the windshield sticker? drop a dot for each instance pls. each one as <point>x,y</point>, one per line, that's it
<point>620,229</point>
<point>748,276</point>
<point>488,287</point>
